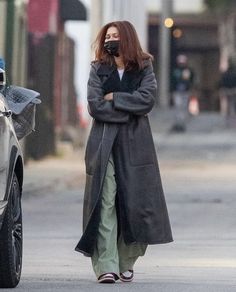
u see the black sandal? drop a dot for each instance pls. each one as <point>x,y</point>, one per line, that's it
<point>124,278</point>
<point>107,278</point>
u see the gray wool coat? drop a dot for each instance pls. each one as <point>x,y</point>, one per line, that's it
<point>122,126</point>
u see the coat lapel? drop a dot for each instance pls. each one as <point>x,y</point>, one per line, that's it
<point>111,81</point>
<point>131,80</point>
<point>109,78</point>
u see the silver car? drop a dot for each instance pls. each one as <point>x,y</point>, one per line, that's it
<point>11,180</point>
<point>17,109</point>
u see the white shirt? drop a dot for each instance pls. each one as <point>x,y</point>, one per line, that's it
<point>121,72</point>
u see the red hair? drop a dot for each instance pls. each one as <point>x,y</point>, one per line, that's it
<point>130,48</point>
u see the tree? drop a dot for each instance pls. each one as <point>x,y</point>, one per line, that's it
<point>225,11</point>
<point>219,4</point>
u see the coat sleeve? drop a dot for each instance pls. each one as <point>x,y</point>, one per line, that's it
<point>140,101</point>
<point>99,108</point>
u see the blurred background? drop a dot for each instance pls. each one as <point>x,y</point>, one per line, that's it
<point>47,47</point>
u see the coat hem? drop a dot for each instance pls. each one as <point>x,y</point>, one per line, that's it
<point>161,242</point>
<point>148,243</point>
<point>83,252</point>
<point>152,242</point>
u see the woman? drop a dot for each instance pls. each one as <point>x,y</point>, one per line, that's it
<point>124,205</point>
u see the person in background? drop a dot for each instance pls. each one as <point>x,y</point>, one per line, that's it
<point>228,89</point>
<point>124,204</point>
<point>182,82</point>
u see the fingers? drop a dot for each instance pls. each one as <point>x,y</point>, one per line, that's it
<point>108,96</point>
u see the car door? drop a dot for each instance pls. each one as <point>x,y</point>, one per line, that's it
<point>4,146</point>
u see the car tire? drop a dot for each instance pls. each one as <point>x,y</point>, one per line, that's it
<point>11,239</point>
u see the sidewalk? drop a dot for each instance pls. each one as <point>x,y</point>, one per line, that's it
<point>54,172</point>
<point>207,137</point>
<point>163,119</point>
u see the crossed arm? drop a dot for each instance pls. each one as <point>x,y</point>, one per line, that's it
<point>116,107</point>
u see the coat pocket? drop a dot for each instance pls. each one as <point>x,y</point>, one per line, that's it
<point>141,150</point>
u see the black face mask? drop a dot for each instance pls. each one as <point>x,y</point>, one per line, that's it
<point>112,47</point>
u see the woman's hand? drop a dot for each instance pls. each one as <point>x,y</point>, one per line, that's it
<point>108,96</point>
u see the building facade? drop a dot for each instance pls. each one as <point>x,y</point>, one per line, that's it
<point>194,34</point>
<point>13,39</point>
<point>51,72</point>
<point>104,11</point>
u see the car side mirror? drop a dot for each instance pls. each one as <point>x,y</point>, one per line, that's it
<point>2,77</point>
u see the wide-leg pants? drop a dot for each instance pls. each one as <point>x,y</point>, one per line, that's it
<point>111,254</point>
<point>181,101</point>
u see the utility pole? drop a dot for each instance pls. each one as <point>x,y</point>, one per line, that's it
<point>9,37</point>
<point>164,49</point>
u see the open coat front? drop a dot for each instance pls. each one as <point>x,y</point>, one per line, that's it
<point>122,126</point>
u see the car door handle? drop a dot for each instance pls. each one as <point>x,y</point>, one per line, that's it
<point>7,113</point>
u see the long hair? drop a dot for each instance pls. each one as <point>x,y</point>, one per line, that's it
<point>130,48</point>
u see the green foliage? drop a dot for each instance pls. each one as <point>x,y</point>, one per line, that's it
<point>220,5</point>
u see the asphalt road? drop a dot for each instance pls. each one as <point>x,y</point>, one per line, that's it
<point>202,258</point>
<point>200,185</point>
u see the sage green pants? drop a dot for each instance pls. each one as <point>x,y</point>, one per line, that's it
<point>111,254</point>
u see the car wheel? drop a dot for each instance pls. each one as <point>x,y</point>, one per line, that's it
<point>11,238</point>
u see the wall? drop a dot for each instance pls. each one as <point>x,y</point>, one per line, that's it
<point>179,6</point>
<point>104,11</point>
<point>199,43</point>
<point>18,43</point>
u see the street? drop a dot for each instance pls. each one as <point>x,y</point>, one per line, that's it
<point>124,62</point>
<point>199,183</point>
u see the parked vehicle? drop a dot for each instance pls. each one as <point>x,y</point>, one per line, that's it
<point>12,115</point>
